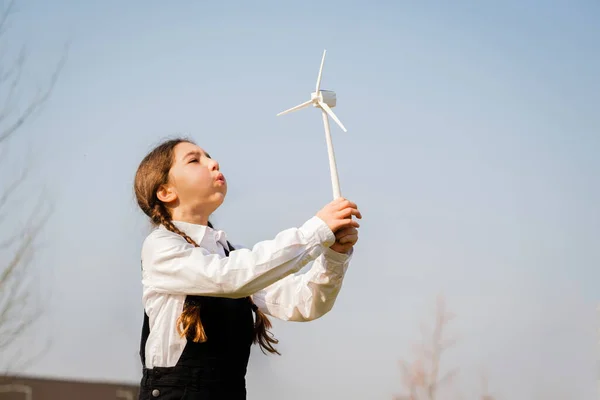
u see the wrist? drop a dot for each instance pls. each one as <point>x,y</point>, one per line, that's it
<point>336,257</point>
<point>340,249</point>
<point>319,227</point>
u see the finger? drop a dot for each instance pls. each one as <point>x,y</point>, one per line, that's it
<point>338,238</point>
<point>348,212</point>
<point>347,203</point>
<point>356,213</point>
<point>348,239</point>
<point>345,223</point>
<point>339,200</point>
<point>350,236</point>
<point>346,231</point>
<point>344,213</point>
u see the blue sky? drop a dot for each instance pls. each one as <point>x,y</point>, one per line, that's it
<point>471,150</point>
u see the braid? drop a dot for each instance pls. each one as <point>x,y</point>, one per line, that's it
<point>189,323</point>
<point>262,324</point>
<point>161,216</point>
<point>262,335</point>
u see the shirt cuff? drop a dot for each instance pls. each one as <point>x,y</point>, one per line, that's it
<point>334,256</point>
<point>316,226</point>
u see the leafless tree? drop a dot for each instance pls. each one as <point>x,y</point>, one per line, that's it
<point>421,377</point>
<point>20,305</point>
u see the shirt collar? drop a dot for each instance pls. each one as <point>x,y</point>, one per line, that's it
<point>202,234</point>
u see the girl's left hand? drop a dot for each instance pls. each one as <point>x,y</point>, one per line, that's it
<point>345,239</point>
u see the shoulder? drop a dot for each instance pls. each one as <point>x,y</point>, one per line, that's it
<point>161,234</point>
<point>162,240</point>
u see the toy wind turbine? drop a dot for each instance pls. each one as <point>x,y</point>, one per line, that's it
<point>325,100</point>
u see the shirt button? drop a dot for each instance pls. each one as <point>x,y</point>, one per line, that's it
<point>155,393</point>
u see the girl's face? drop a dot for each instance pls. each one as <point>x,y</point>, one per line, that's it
<point>196,186</point>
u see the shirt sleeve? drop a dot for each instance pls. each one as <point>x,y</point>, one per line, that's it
<point>306,296</point>
<point>172,265</point>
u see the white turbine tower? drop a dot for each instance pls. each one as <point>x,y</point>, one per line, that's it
<point>325,100</point>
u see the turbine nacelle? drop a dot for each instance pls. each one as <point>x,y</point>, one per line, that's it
<point>326,96</point>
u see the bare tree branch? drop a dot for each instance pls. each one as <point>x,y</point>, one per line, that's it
<point>20,302</point>
<point>8,9</point>
<point>485,395</point>
<point>419,381</point>
<point>35,105</point>
<point>5,195</point>
<point>20,307</point>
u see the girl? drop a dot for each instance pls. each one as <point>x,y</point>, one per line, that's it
<point>199,293</point>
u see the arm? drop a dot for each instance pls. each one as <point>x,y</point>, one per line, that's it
<point>171,265</point>
<point>307,296</point>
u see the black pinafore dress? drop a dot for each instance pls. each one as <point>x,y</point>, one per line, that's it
<point>213,370</point>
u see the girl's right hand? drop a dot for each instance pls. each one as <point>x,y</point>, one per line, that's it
<point>338,214</point>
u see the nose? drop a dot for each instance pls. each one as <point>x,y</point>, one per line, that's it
<point>213,165</point>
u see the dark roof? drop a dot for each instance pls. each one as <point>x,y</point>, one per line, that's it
<point>59,389</point>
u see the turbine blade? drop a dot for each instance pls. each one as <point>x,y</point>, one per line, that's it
<point>320,72</point>
<point>329,111</point>
<point>296,108</point>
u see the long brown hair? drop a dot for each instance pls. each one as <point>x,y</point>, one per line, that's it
<point>153,172</point>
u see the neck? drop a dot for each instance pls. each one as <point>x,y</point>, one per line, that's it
<point>190,217</point>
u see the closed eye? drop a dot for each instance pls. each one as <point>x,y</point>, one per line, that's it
<point>193,160</point>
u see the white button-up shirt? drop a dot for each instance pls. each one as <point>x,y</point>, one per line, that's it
<point>173,268</point>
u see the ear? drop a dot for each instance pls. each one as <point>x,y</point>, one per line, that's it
<point>166,193</point>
